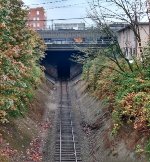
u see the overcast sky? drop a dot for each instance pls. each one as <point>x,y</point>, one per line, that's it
<point>64,9</point>
<point>59,9</point>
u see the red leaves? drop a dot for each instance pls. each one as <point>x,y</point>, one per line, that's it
<point>5,149</point>
<point>45,125</point>
<point>8,151</point>
<point>140,124</point>
<point>34,153</point>
<point>2,25</point>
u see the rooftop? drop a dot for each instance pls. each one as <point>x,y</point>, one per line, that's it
<point>129,26</point>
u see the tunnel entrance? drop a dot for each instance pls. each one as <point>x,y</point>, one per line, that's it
<point>63,70</point>
<point>58,64</point>
<point>63,66</point>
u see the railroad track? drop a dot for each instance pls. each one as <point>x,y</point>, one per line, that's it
<point>67,148</point>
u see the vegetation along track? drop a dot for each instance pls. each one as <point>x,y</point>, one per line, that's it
<point>67,147</point>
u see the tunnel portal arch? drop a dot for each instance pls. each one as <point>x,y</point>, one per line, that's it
<point>58,64</point>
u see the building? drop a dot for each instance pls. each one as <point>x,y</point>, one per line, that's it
<point>71,36</point>
<point>37,18</point>
<point>128,42</point>
<point>117,26</point>
<point>75,26</point>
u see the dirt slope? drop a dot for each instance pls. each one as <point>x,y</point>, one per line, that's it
<point>22,139</point>
<point>97,124</point>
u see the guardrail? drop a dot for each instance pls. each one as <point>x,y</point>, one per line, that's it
<point>74,46</point>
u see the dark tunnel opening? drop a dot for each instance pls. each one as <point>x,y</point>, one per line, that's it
<point>58,64</point>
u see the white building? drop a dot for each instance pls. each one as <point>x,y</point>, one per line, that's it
<point>128,42</point>
<point>75,26</point>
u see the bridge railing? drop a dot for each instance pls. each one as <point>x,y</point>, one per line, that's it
<point>78,43</point>
<point>74,46</point>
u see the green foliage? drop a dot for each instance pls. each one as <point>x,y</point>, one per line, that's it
<point>124,85</point>
<point>146,57</point>
<point>147,149</point>
<point>21,50</point>
<point>92,70</point>
<point>139,149</point>
<point>127,93</point>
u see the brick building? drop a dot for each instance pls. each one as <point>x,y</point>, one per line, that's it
<point>37,18</point>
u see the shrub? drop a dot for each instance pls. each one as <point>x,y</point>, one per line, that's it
<point>128,93</point>
<point>21,50</point>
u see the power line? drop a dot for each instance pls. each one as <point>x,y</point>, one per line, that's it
<point>65,6</point>
<point>75,18</point>
<point>47,2</point>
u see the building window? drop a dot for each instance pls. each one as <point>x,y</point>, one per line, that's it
<point>139,44</point>
<point>34,18</point>
<point>34,24</point>
<point>134,51</point>
<point>38,25</point>
<point>131,51</point>
<point>126,51</point>
<point>38,18</point>
<point>38,12</point>
<point>141,50</point>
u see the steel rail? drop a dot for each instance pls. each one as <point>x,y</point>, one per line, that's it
<point>60,119</point>
<point>67,148</point>
<point>73,137</point>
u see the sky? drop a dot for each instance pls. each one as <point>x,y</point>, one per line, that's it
<point>65,9</point>
<point>62,9</point>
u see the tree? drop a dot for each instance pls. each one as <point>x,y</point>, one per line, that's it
<point>20,52</point>
<point>131,12</point>
<point>128,12</point>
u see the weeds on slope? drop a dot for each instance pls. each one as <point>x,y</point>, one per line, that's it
<point>127,93</point>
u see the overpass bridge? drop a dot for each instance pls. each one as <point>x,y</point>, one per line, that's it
<point>73,40</point>
<point>62,44</point>
<point>73,47</point>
